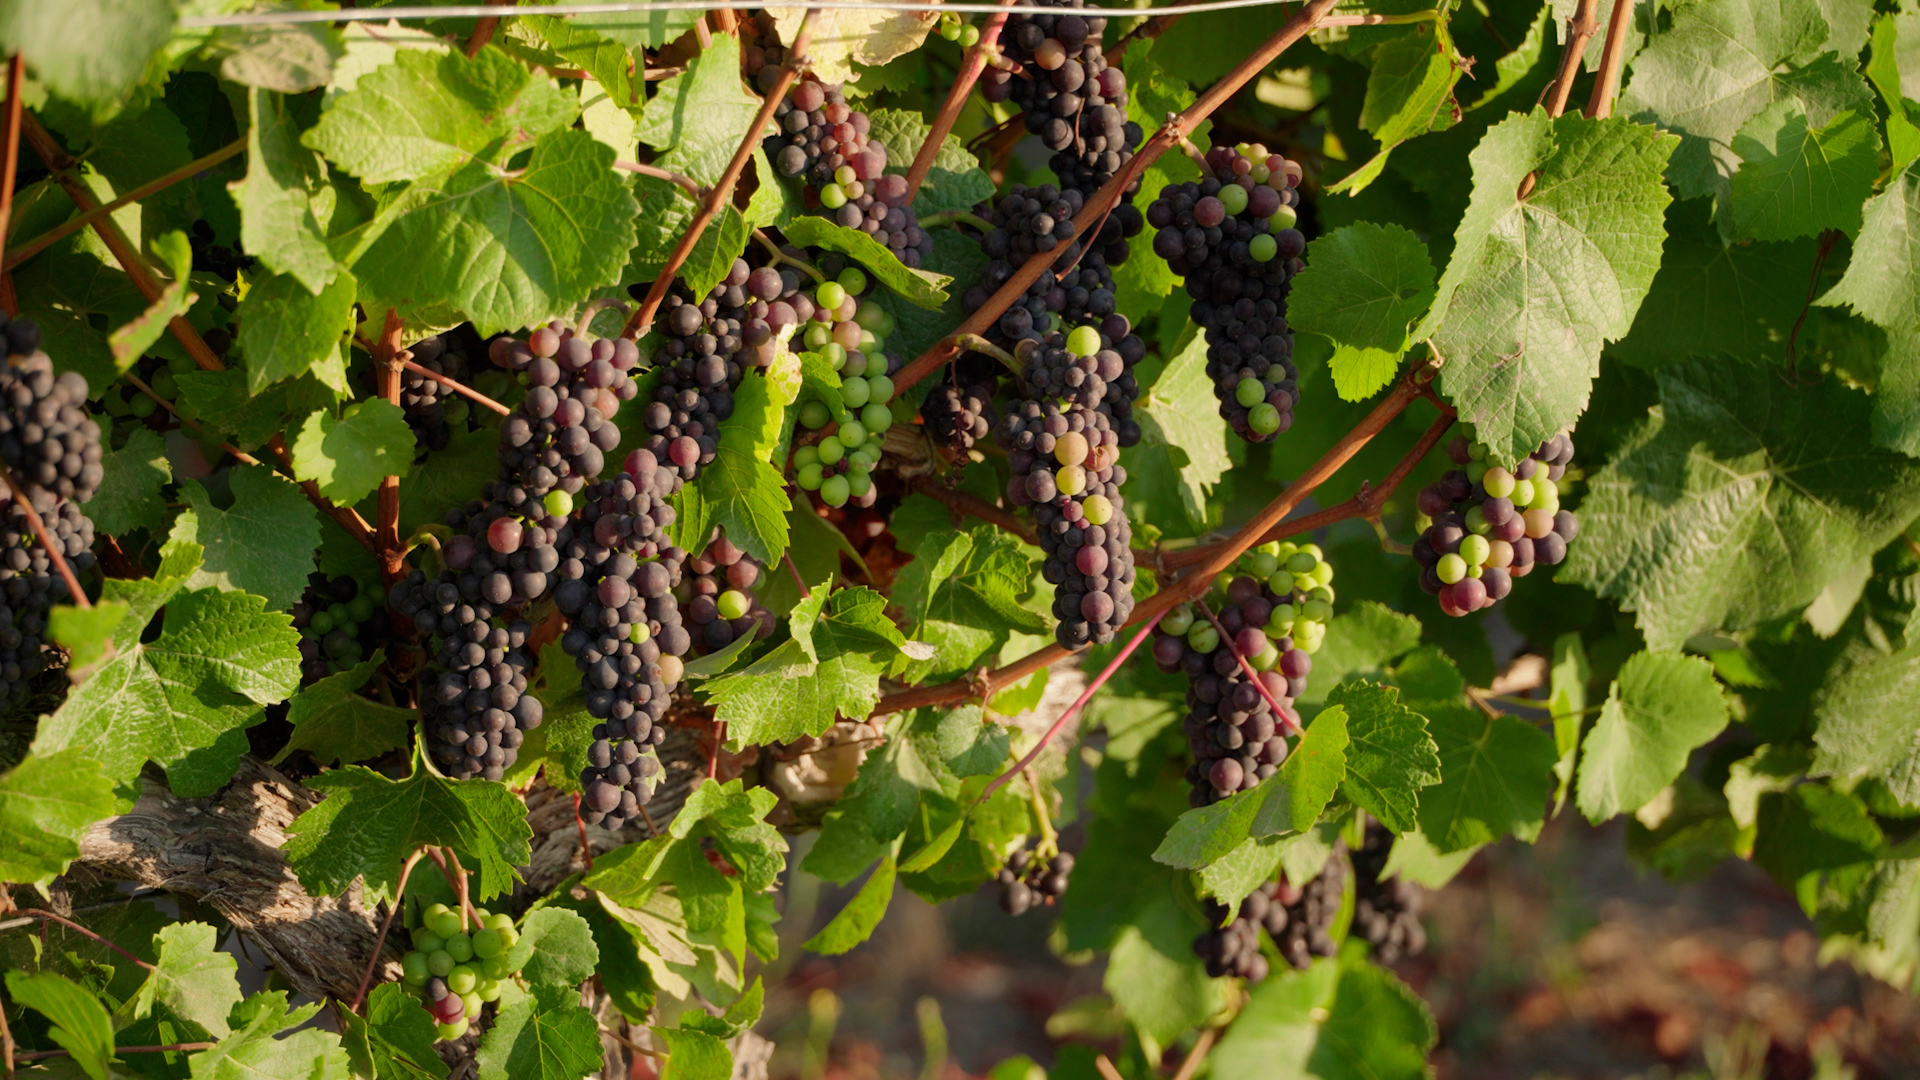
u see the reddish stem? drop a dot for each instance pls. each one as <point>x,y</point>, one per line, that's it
<point>457,387</point>
<point>380,941</point>
<point>10,146</point>
<point>41,1055</point>
<point>483,31</point>
<point>973,506</point>
<point>798,581</point>
<point>78,929</point>
<point>957,96</point>
<point>388,358</point>
<point>586,849</point>
<point>152,187</point>
<point>1280,714</point>
<point>1612,59</point>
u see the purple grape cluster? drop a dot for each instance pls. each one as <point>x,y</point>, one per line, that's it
<point>1028,879</point>
<point>1071,99</point>
<point>1385,913</point>
<point>720,598</point>
<point>825,143</point>
<point>1230,235</point>
<point>30,587</point>
<point>1491,525</point>
<point>431,408</point>
<point>1299,919</point>
<point>49,443</point>
<point>958,415</point>
<point>473,690</point>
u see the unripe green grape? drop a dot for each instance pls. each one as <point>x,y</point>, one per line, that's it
<point>835,352</point>
<point>1262,565</point>
<point>1271,547</point>
<point>1316,610</point>
<point>1071,479</point>
<point>833,197</point>
<point>830,294</point>
<point>831,451</point>
<point>969,36</point>
<point>858,484</point>
<point>489,990</point>
<point>1308,636</point>
<point>1249,392</point>
<point>1263,247</point>
<point>845,176</point>
<point>427,941</point>
<point>859,461</point>
<point>814,415</point>
<point>806,455</point>
<point>442,920</point>
<point>1284,218</point>
<point>882,387</point>
<point>1523,492</point>
<point>1177,621</point>
<point>439,962</point>
<point>1476,522</point>
<point>1281,582</point>
<point>853,280</point>
<point>361,608</point>
<point>460,947</point>
<point>950,31</point>
<point>1302,562</point>
<point>1203,638</point>
<point>1474,571</point>
<point>732,604</point>
<point>871,345</point>
<point>413,968</point>
<point>1476,452</point>
<point>1280,623</point>
<point>1323,573</point>
<point>1321,592</point>
<point>502,922</point>
<point>852,433</point>
<point>1450,568</point>
<point>1099,509</point>
<point>450,1032</point>
<point>462,979</point>
<point>1475,549</point>
<point>486,942</point>
<point>1546,495</point>
<point>1498,482</point>
<point>874,317</point>
<point>1476,471</point>
<point>496,968</point>
<point>1268,659</point>
<point>559,503</point>
<point>1083,341</point>
<point>472,1003</point>
<point>638,634</point>
<point>876,363</point>
<point>876,417</point>
<point>1233,197</point>
<point>835,490</point>
<point>817,337</point>
<point>873,448</point>
<point>1263,419</point>
<point>854,391</point>
<point>808,476</point>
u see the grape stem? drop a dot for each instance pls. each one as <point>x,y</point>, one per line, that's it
<point>979,344</point>
<point>1280,715</point>
<point>61,166</point>
<point>380,940</point>
<point>456,386</point>
<point>1106,1069</point>
<point>955,217</point>
<point>1612,59</point>
<point>593,308</point>
<point>78,929</point>
<point>24,500</point>
<point>1049,844</point>
<point>389,360</point>
<point>957,96</point>
<point>1198,1054</point>
<point>781,258</point>
<point>963,502</point>
<point>9,166</point>
<point>6,1033</point>
<point>153,187</point>
<point>586,849</point>
<point>684,182</point>
<point>1580,30</point>
<point>483,31</point>
<point>723,190</point>
<point>1429,15</point>
<point>41,1055</point>
<point>1099,204</point>
<point>630,1044</point>
<point>805,593</point>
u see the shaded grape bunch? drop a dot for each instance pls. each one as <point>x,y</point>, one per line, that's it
<point>473,690</point>
<point>824,142</point>
<point>1230,947</point>
<point>709,346</point>
<point>1065,465</point>
<point>341,620</point>
<point>1491,525</point>
<point>1230,235</point>
<point>1029,879</point>
<point>30,587</point>
<point>211,256</point>
<point>720,600</point>
<point>1080,287</point>
<point>1071,99</point>
<point>958,416</point>
<point>49,443</point>
<point>1385,913</point>
<point>433,409</point>
<point>1311,909</point>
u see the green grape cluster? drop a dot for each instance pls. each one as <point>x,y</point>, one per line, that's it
<point>840,466</point>
<point>955,29</point>
<point>455,967</point>
<point>1300,579</point>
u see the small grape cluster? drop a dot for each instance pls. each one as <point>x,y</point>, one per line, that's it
<point>1024,223</point>
<point>958,415</point>
<point>30,588</point>
<point>841,473</point>
<point>720,599</point>
<point>1031,878</point>
<point>474,689</point>
<point>1491,525</point>
<point>125,405</point>
<point>1385,913</point>
<point>341,620</point>
<point>49,443</point>
<point>456,968</point>
<point>432,409</point>
<point>1070,97</point>
<point>1230,947</point>
<point>1231,236</point>
<point>1311,910</point>
<point>825,143</point>
<point>212,257</point>
<point>957,30</point>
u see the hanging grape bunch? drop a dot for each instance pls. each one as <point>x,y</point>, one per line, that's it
<point>433,410</point>
<point>824,142</point>
<point>1071,99</point>
<point>1031,878</point>
<point>1230,947</point>
<point>1385,913</point>
<point>341,621</point>
<point>473,690</point>
<point>1311,910</point>
<point>456,967</point>
<point>1491,525</point>
<point>30,587</point>
<point>720,600</point>
<point>1231,236</point>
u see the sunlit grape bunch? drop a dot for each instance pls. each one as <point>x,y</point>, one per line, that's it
<point>457,967</point>
<point>1491,524</point>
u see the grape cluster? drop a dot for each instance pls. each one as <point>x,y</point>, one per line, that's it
<point>1385,913</point>
<point>30,587</point>
<point>1055,371</point>
<point>432,409</point>
<point>1080,287</point>
<point>1491,525</point>
<point>457,968</point>
<point>1070,97</point>
<point>1275,610</point>
<point>1231,236</point>
<point>719,596</point>
<point>49,443</point>
<point>1230,947</point>
<point>957,415</point>
<point>474,689</point>
<point>341,620</point>
<point>1029,878</point>
<point>824,142</point>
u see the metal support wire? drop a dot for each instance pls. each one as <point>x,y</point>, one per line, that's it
<point>642,7</point>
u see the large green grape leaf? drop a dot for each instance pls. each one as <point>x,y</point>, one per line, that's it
<point>666,213</point>
<point>693,1055</point>
<point>394,1041</point>
<point>87,51</point>
<point>184,699</point>
<point>1496,776</point>
<point>430,114</point>
<point>1883,70</point>
<point>1535,286</point>
<point>856,922</point>
<point>1865,718</point>
<point>1882,281</point>
<point>1390,756</point>
<point>287,330</point>
<point>46,803</point>
<point>739,490</point>
<point>1153,976</point>
<point>67,293</point>
<point>129,494</point>
<point>192,978</point>
<point>610,62</point>
<point>348,455</point>
<point>265,1045</point>
<point>1360,644</point>
<point>546,1035</point>
<point>1286,803</point>
<point>368,825</point>
<point>1363,286</point>
<point>263,543</point>
<point>1183,446</point>
<point>336,725</point>
<point>79,1022</point>
<point>285,182</point>
<point>963,596</point>
<point>1343,1019</point>
<point>1796,179</point>
<point>954,181</point>
<point>1896,401</point>
<point>510,248</point>
<point>1739,499</point>
<point>696,118</point>
<point>1660,708</point>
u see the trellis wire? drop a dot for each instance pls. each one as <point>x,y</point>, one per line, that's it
<point>641,7</point>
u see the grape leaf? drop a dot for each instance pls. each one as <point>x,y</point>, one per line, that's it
<point>1183,447</point>
<point>556,946</point>
<point>546,1035</point>
<point>290,59</point>
<point>1691,82</point>
<point>1496,775</point>
<point>131,478</point>
<point>961,739</point>
<point>666,213</point>
<point>1363,285</point>
<point>1883,70</point>
<point>429,114</point>
<point>856,922</point>
<point>336,725</point>
<point>368,824</point>
<point>192,978</point>
<point>88,51</point>
<point>954,181</point>
<point>1536,286</point>
<point>66,292</point>
<point>1390,756</point>
<point>608,61</point>
<point>1288,802</point>
<point>1409,93</point>
<point>922,288</point>
<point>1414,859</point>
<point>186,698</point>
<point>395,1040</point>
<point>512,248</point>
<point>347,457</point>
<point>1879,282</point>
<point>263,1045</point>
<point>1811,828</point>
<point>1796,179</point>
<point>965,598</point>
<point>801,686</point>
<point>447,478</point>
<point>1738,500</point>
<point>79,1022</point>
<point>696,118</point>
<point>262,544</point>
<point>46,803</point>
<point>1361,642</point>
<point>1234,876</point>
<point>221,400</point>
<point>130,341</point>
<point>277,199</point>
<point>1896,401</point>
<point>1153,975</point>
<point>739,490</point>
<point>841,38</point>
<point>1343,1019</point>
<point>286,330</point>
<point>1660,708</point>
<point>1715,297</point>
<point>693,1055</point>
<point>1864,717</point>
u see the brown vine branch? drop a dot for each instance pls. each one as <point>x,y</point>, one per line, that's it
<point>41,1055</point>
<point>388,361</point>
<point>686,183</point>
<point>483,31</point>
<point>1198,1054</point>
<point>970,68</point>
<point>380,940</point>
<point>6,1046</point>
<point>723,190</point>
<point>1102,202</point>
<point>1612,59</point>
<point>24,500</point>
<point>962,502</point>
<point>10,163</point>
<point>152,187</point>
<point>40,913</point>
<point>139,384</point>
<point>456,386</point>
<point>1580,30</point>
